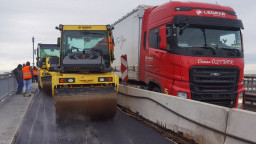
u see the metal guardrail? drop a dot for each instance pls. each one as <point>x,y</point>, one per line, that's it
<point>250,97</point>
<point>8,84</point>
<point>250,88</point>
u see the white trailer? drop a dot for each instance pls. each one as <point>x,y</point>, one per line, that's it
<point>127,36</point>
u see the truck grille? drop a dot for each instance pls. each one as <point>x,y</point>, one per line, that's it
<point>215,85</point>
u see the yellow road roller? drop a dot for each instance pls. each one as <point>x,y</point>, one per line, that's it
<point>84,83</point>
<point>44,53</point>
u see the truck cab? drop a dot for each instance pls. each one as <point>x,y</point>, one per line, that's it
<point>195,51</point>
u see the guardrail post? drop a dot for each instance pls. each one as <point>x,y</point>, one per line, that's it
<point>253,85</point>
<point>8,81</point>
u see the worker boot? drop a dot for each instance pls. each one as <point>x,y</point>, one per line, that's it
<point>28,95</point>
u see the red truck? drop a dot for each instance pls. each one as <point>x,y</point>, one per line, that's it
<point>185,49</point>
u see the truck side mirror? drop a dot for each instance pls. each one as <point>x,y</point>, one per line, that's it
<point>162,35</point>
<point>58,42</point>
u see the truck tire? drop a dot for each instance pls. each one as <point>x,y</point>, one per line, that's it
<point>157,89</point>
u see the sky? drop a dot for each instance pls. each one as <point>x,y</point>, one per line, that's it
<point>22,19</point>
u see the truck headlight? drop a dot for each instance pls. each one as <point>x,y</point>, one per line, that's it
<point>182,95</point>
<point>240,102</point>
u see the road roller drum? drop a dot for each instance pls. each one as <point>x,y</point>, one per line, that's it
<point>96,103</point>
<point>47,84</point>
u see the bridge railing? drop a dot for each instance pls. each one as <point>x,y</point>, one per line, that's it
<point>8,84</point>
<point>250,83</point>
<point>250,88</point>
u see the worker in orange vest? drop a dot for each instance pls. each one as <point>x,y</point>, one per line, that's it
<point>35,72</point>
<point>105,42</point>
<point>27,79</point>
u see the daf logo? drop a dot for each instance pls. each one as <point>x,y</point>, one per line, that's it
<point>216,74</point>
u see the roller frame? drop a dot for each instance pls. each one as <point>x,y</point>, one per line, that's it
<point>93,99</point>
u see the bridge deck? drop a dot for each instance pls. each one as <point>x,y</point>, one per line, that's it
<point>39,127</point>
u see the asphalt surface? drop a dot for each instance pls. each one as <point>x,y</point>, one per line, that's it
<point>39,127</point>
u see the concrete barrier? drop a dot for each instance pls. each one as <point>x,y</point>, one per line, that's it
<point>203,122</point>
<point>241,124</point>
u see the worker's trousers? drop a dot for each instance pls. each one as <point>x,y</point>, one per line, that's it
<point>20,86</point>
<point>27,85</point>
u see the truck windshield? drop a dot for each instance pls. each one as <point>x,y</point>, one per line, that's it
<point>79,41</point>
<point>209,38</point>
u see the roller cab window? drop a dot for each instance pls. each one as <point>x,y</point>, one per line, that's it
<point>86,44</point>
<point>47,50</point>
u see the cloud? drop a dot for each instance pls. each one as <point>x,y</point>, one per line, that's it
<point>22,19</point>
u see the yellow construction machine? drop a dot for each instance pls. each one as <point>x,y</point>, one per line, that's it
<point>84,83</point>
<point>44,53</point>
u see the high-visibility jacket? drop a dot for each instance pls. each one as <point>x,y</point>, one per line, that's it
<point>26,73</point>
<point>35,72</point>
<point>105,42</point>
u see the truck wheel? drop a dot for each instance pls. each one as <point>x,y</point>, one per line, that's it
<point>156,89</point>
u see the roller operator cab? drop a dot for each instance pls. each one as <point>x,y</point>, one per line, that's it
<point>190,50</point>
<point>84,82</point>
<point>44,53</point>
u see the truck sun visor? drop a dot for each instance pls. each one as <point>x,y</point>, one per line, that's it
<point>208,21</point>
